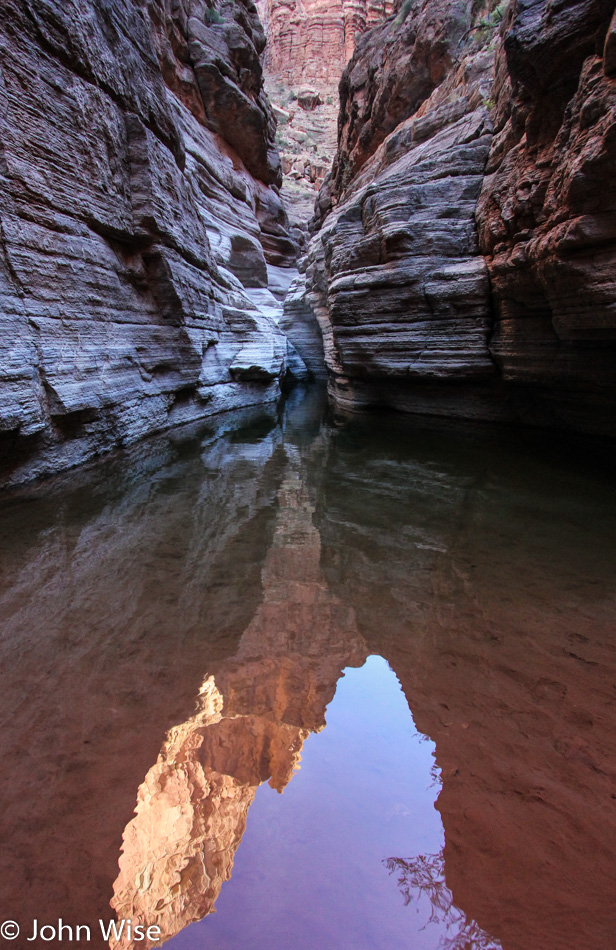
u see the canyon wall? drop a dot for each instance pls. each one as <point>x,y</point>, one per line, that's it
<point>547,213</point>
<point>463,256</point>
<point>311,41</point>
<point>139,213</point>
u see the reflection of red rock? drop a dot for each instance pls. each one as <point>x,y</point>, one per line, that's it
<point>253,717</point>
<point>500,628</point>
<point>176,803</point>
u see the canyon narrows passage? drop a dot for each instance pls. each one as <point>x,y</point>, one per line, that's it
<point>307,520</point>
<point>155,203</point>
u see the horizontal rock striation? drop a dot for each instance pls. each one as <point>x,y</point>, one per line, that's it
<point>311,41</point>
<point>547,215</point>
<point>462,261</point>
<point>394,274</point>
<point>138,182</point>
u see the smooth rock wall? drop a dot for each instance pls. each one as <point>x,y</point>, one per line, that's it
<point>133,215</point>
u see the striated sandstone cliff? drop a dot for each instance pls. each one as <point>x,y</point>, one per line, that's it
<point>547,214</point>
<point>311,41</point>
<point>464,255</point>
<point>395,279</point>
<point>138,182</point>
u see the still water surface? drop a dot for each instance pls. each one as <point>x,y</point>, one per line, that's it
<point>285,682</point>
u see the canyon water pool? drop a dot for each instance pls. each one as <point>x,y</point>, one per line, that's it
<point>285,680</point>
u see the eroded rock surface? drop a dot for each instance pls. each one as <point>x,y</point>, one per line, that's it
<point>311,41</point>
<point>139,177</point>
<point>394,274</point>
<point>547,215</point>
<point>464,251</point>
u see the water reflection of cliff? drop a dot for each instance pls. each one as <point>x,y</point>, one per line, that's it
<point>494,568</point>
<point>245,573</point>
<point>423,876</point>
<point>117,586</point>
<point>254,714</point>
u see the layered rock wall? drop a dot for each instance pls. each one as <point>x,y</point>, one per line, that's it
<point>547,214</point>
<point>311,41</point>
<point>464,251</point>
<point>394,275</point>
<point>138,181</point>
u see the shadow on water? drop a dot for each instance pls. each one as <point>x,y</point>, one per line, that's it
<point>178,625</point>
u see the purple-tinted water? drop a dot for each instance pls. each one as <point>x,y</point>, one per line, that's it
<point>286,682</point>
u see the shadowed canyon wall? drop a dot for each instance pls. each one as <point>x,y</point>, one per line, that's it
<point>139,181</point>
<point>463,260</point>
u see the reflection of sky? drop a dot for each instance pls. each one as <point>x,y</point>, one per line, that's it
<point>309,873</point>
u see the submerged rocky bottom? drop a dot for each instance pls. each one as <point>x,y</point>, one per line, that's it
<point>357,678</point>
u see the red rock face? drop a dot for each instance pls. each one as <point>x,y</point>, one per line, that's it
<point>308,45</point>
<point>547,214</point>
<point>312,41</point>
<point>438,296</point>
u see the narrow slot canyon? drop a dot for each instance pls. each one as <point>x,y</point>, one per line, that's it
<point>307,445</point>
